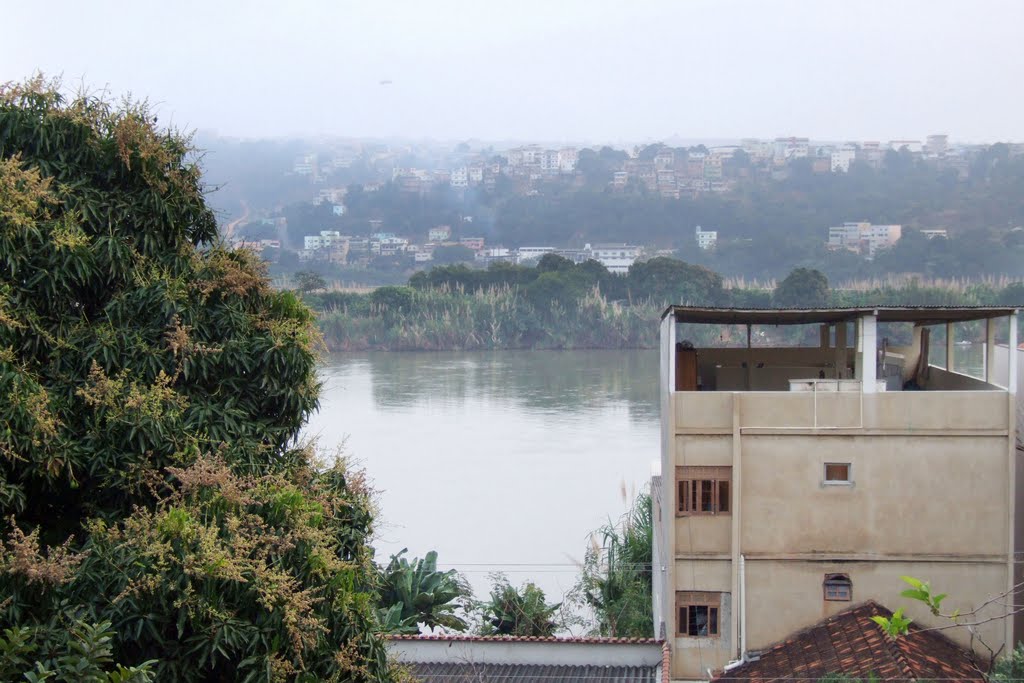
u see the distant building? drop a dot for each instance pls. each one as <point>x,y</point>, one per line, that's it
<point>525,254</point>
<point>936,232</point>
<point>871,153</point>
<point>459,177</point>
<point>338,209</point>
<point>937,145</point>
<point>617,258</point>
<point>862,237</point>
<point>706,239</point>
<point>785,149</point>
<point>913,146</point>
<point>842,157</point>
<point>712,167</point>
<point>567,158</point>
<point>474,243</point>
<point>439,233</point>
<point>487,256</point>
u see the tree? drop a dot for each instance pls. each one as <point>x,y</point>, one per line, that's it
<point>551,263</point>
<point>995,669</point>
<point>414,593</point>
<point>515,611</point>
<point>455,253</point>
<point>669,281</point>
<point>154,387</point>
<point>308,281</point>
<point>803,288</point>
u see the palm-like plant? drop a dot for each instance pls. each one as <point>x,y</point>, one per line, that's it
<point>616,578</point>
<point>515,611</point>
<point>415,592</point>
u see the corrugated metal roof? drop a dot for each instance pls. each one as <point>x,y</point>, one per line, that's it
<point>467,637</point>
<point>431,672</point>
<point>925,315</point>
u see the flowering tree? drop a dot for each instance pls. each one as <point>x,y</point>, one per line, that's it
<point>153,387</point>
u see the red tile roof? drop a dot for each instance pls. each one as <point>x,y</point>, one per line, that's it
<point>850,643</point>
<point>465,637</point>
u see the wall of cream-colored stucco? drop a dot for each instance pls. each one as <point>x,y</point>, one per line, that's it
<point>704,575</point>
<point>943,380</point>
<point>709,412</point>
<point>692,657</point>
<point>703,534</point>
<point>785,596</point>
<point>703,449</point>
<point>910,495</point>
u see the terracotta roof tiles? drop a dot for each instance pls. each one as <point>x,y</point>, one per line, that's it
<point>850,643</point>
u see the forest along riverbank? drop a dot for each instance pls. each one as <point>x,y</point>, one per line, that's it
<point>561,305</point>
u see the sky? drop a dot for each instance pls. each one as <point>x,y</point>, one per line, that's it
<point>550,70</point>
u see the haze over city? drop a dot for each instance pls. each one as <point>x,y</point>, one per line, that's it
<point>566,71</point>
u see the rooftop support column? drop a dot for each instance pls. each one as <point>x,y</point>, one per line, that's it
<point>840,360</point>
<point>1012,571</point>
<point>867,352</point>
<point>1011,381</point>
<point>990,350</point>
<point>750,360</point>
<point>950,345</point>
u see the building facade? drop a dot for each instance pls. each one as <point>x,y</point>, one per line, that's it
<point>797,480</point>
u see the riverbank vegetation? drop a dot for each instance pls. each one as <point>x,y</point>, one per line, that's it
<point>562,305</point>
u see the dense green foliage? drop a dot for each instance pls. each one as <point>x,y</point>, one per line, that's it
<point>522,611</point>
<point>616,578</point>
<point>560,305</point>
<point>67,651</point>
<point>415,593</point>
<point>153,387</point>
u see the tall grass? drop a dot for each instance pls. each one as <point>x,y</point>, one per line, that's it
<point>502,317</point>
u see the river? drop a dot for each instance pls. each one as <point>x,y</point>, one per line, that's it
<point>500,461</point>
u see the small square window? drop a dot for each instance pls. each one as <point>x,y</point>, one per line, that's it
<point>837,473</point>
<point>838,588</point>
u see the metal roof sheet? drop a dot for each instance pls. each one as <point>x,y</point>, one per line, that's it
<point>469,672</point>
<point>924,315</point>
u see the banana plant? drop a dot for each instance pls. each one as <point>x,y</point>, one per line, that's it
<point>415,592</point>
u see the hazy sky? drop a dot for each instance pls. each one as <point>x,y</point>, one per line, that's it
<point>554,70</point>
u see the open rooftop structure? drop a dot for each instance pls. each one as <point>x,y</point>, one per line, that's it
<point>812,457</point>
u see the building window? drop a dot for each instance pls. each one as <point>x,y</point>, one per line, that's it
<point>838,588</point>
<point>703,490</point>
<point>837,473</point>
<point>698,614</point>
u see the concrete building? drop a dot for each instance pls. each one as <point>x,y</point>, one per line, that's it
<point>706,239</point>
<point>567,158</point>
<point>797,479</point>
<point>474,243</point>
<point>862,237</point>
<point>617,258</point>
<point>528,254</point>
<point>841,158</point>
<point>936,145</point>
<point>459,177</point>
<point>785,149</point>
<point>439,233</point>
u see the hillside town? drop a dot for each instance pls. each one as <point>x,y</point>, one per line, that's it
<point>671,172</point>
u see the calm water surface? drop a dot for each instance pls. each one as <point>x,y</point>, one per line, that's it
<point>500,461</point>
